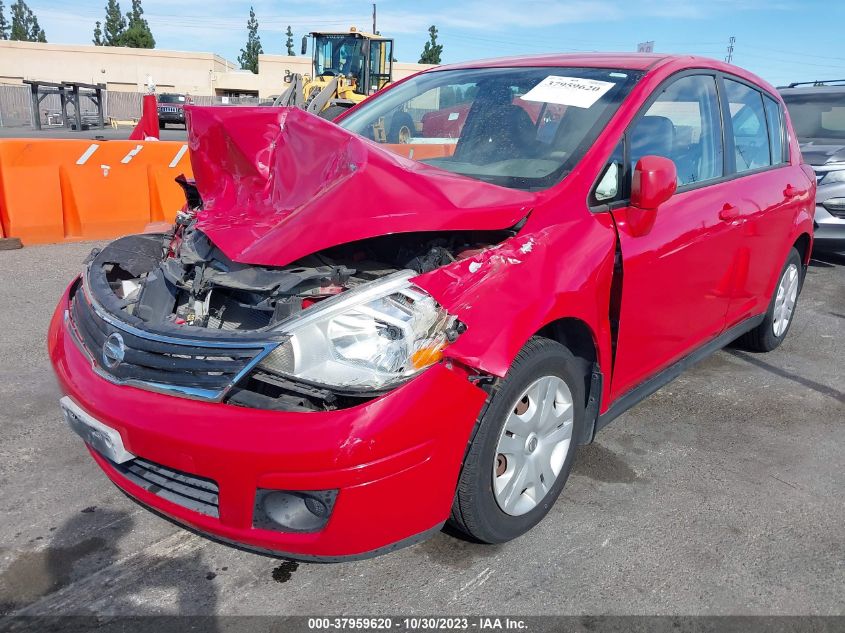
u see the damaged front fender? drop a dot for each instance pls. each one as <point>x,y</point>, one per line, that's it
<point>507,293</point>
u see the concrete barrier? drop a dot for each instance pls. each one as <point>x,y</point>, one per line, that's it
<point>55,190</point>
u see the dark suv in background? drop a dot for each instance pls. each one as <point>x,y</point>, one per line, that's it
<point>817,110</point>
<point>171,109</point>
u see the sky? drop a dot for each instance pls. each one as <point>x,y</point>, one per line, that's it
<point>780,40</point>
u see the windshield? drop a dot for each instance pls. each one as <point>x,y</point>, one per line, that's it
<point>817,115</point>
<point>338,55</point>
<point>171,99</point>
<point>523,128</point>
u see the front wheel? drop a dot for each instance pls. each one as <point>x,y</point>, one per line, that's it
<point>524,446</point>
<point>778,319</point>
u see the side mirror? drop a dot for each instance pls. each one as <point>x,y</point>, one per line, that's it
<point>304,45</point>
<point>654,182</point>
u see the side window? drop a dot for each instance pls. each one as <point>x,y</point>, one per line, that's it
<point>774,117</point>
<point>609,186</point>
<point>683,124</point>
<point>748,118</point>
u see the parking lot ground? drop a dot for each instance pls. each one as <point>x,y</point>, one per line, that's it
<point>720,494</point>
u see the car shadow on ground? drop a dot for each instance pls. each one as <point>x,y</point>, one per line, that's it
<point>827,260</point>
<point>84,551</point>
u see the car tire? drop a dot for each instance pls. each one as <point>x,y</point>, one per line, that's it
<point>161,125</point>
<point>401,128</point>
<point>484,507</point>
<point>778,319</point>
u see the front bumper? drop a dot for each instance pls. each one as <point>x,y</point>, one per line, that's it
<point>829,231</point>
<point>171,117</point>
<point>829,228</point>
<point>395,460</point>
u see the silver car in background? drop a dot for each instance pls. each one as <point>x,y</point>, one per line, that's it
<point>817,110</point>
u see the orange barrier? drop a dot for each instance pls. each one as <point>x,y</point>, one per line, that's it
<point>57,190</point>
<point>420,151</point>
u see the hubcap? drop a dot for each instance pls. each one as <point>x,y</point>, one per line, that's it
<point>787,294</point>
<point>533,445</point>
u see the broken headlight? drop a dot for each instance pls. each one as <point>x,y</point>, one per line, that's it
<point>369,338</point>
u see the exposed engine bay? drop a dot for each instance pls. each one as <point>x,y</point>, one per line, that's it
<point>201,319</point>
<point>181,279</point>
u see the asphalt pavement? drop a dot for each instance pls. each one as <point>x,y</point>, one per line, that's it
<point>720,494</point>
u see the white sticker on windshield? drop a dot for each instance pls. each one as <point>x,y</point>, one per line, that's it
<point>568,91</point>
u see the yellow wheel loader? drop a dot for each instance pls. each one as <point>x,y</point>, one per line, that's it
<point>347,67</point>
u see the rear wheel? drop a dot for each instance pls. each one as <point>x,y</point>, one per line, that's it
<point>771,332</point>
<point>401,128</point>
<point>526,440</point>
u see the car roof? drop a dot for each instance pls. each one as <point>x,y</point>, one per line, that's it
<point>632,61</point>
<point>621,61</point>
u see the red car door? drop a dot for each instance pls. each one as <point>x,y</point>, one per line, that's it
<point>676,276</point>
<point>769,194</point>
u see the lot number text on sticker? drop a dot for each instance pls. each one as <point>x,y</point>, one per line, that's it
<point>568,91</point>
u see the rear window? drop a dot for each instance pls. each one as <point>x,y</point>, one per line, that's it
<point>751,133</point>
<point>817,115</point>
<point>777,142</point>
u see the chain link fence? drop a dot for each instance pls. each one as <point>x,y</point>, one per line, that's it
<point>16,106</point>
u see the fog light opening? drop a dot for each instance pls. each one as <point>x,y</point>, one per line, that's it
<point>293,511</point>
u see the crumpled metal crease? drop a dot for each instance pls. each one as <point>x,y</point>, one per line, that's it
<point>467,286</point>
<point>278,184</point>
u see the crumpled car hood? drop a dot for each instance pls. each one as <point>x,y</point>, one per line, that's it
<point>278,184</point>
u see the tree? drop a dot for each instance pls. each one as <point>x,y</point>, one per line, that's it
<point>115,25</point>
<point>133,30</point>
<point>431,50</point>
<point>288,41</point>
<point>248,58</point>
<point>4,25</point>
<point>136,36</point>
<point>25,27</point>
<point>138,33</point>
<point>36,33</point>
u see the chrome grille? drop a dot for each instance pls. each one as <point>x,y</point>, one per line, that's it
<point>196,368</point>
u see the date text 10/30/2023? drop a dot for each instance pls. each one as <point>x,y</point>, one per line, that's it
<point>420,623</point>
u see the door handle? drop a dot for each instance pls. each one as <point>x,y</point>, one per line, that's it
<point>793,192</point>
<point>729,212</point>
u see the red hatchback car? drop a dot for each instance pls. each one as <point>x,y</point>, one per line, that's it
<point>343,343</point>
